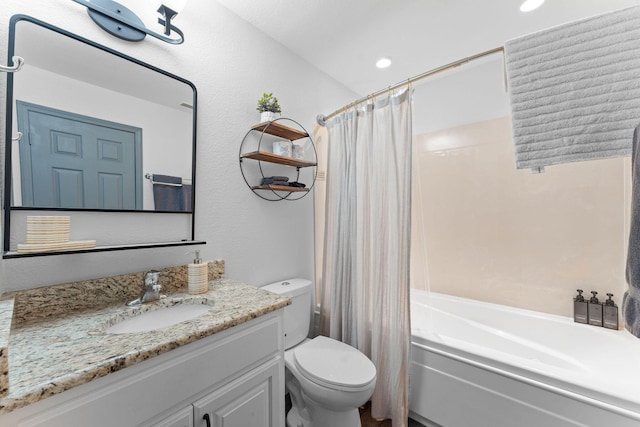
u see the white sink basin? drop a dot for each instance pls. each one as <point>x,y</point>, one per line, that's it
<point>158,319</point>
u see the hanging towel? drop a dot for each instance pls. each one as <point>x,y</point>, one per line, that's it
<point>167,198</point>
<point>631,299</point>
<point>575,90</point>
<point>187,197</point>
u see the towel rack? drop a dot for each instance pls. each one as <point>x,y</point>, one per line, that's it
<point>170,184</point>
<point>18,61</point>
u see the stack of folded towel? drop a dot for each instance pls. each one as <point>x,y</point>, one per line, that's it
<point>51,233</point>
<point>48,229</point>
<point>275,180</point>
<point>281,181</point>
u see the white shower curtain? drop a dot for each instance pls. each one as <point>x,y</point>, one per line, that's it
<point>365,274</point>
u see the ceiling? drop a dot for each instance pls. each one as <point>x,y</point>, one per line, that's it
<point>344,38</point>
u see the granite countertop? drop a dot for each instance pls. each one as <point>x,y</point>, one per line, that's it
<point>55,354</point>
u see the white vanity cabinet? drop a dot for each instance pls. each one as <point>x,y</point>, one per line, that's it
<point>183,418</point>
<point>235,376</point>
<point>243,403</point>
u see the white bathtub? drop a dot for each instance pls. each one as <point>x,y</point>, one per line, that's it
<point>487,365</point>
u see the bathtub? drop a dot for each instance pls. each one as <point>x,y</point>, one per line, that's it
<point>486,365</point>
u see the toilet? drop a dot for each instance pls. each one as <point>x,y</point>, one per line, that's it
<point>326,379</point>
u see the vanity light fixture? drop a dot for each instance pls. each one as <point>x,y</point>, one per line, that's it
<point>121,22</point>
<point>529,5</point>
<point>383,62</point>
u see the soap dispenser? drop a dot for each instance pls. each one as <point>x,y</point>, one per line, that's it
<point>595,310</point>
<point>610,315</point>
<point>198,277</point>
<point>580,308</point>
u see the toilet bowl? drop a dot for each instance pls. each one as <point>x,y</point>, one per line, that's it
<point>334,380</point>
<point>327,379</point>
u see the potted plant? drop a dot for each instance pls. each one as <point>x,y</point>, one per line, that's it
<point>268,107</point>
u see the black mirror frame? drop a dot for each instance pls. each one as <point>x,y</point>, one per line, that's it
<point>9,134</point>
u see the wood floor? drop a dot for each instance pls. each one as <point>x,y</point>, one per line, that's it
<point>365,416</point>
<point>367,421</point>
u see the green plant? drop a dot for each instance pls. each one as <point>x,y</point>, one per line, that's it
<point>268,102</point>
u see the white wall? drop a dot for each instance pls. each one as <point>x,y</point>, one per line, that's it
<point>231,64</point>
<point>472,93</point>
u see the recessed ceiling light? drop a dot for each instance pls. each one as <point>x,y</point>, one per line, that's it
<point>383,62</point>
<point>530,5</point>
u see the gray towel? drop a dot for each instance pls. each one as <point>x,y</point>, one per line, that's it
<point>575,90</point>
<point>168,198</point>
<point>187,197</point>
<point>631,299</point>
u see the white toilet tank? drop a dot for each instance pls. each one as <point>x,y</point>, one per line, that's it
<point>297,316</point>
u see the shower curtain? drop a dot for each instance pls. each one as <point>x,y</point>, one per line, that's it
<point>365,275</point>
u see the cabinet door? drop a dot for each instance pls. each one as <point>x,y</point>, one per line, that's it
<point>249,401</point>
<point>183,418</point>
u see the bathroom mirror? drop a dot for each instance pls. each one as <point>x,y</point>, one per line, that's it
<point>89,129</point>
<point>97,127</point>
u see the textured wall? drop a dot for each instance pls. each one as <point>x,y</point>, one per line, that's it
<point>484,230</point>
<point>231,64</point>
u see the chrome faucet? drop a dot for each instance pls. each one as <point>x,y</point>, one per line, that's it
<point>150,289</point>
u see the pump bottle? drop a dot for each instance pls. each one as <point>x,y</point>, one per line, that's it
<point>595,310</point>
<point>610,314</point>
<point>198,277</point>
<point>580,308</point>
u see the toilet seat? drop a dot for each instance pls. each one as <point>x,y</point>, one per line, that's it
<point>333,364</point>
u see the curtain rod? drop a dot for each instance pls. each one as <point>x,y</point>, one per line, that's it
<point>322,119</point>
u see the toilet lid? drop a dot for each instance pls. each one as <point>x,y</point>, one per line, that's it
<point>332,363</point>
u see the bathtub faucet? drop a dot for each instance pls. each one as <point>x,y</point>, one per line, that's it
<point>150,289</point>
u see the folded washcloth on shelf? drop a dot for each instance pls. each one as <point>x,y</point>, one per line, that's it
<point>297,184</point>
<point>275,180</point>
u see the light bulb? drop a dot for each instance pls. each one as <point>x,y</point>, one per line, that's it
<point>175,5</point>
<point>530,5</point>
<point>383,62</point>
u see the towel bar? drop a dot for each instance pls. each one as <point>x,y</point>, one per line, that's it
<point>170,184</point>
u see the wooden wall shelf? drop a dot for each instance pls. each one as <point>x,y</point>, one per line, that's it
<point>262,135</point>
<point>265,156</point>
<point>277,129</point>
<point>279,188</point>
